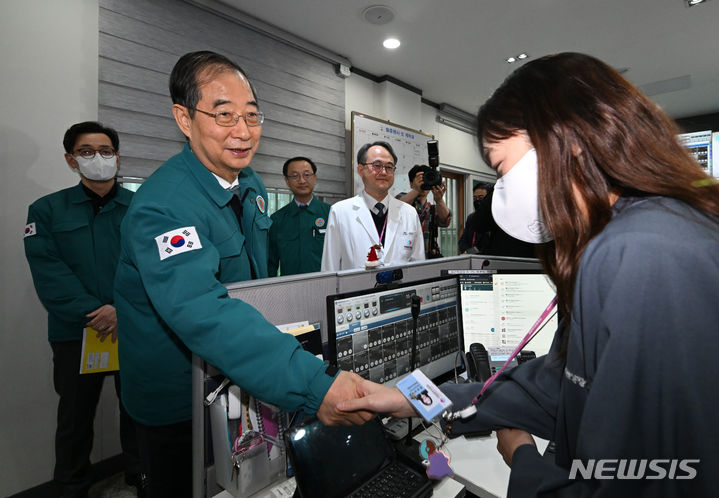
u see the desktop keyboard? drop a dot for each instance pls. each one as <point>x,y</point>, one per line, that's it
<point>395,481</point>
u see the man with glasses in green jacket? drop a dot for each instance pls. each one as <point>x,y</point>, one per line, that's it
<point>199,222</point>
<point>72,243</point>
<point>298,230</point>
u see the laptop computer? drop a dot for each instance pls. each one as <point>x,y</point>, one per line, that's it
<point>354,461</point>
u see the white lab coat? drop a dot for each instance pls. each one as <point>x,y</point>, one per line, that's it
<point>351,233</point>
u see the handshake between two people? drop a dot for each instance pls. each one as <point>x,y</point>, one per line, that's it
<point>352,400</point>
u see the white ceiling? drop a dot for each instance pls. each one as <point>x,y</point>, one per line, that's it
<point>455,50</point>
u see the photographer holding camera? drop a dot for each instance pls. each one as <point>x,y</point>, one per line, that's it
<point>430,216</point>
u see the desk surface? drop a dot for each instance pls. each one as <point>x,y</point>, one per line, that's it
<point>477,464</point>
<point>446,488</point>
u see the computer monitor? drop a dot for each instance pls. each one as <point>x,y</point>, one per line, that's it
<point>370,331</point>
<point>500,306</point>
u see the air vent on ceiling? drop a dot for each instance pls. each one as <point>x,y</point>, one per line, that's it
<point>456,118</point>
<point>378,14</point>
<point>454,112</point>
<point>666,86</point>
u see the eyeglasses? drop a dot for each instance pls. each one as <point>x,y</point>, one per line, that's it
<point>479,197</point>
<point>90,153</point>
<point>378,166</point>
<point>227,118</point>
<point>296,176</point>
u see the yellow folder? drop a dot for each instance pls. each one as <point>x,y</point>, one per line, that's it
<point>98,356</point>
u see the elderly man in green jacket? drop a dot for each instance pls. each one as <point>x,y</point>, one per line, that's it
<point>199,222</point>
<point>72,243</point>
<point>297,234</point>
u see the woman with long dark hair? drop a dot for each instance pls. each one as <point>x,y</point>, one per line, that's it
<point>628,227</point>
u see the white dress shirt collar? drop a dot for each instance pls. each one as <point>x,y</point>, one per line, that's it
<point>371,201</point>
<point>224,183</point>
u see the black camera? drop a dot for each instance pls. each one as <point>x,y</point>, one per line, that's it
<point>432,177</point>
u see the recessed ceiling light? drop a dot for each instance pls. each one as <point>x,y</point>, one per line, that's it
<point>516,58</point>
<point>391,43</point>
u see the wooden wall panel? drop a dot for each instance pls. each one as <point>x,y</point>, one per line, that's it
<point>301,96</point>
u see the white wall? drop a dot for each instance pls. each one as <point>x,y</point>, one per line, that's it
<point>399,105</point>
<point>49,53</point>
<point>361,95</point>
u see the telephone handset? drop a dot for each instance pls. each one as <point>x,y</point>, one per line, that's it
<point>525,356</point>
<point>478,363</point>
<point>481,367</point>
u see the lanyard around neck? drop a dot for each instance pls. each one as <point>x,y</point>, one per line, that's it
<point>386,216</point>
<point>521,345</point>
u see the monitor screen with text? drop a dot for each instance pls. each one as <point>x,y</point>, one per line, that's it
<point>500,307</point>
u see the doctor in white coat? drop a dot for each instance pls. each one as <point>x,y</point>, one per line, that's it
<point>372,218</point>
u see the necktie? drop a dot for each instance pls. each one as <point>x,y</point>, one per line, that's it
<point>236,205</point>
<point>380,220</point>
<point>303,206</point>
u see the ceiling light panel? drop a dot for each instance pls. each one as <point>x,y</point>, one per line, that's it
<point>391,43</point>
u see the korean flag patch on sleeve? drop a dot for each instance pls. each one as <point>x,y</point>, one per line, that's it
<point>177,241</point>
<point>30,229</point>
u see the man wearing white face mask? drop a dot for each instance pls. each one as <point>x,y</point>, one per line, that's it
<point>72,243</point>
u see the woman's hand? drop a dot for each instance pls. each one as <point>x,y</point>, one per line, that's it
<point>379,399</point>
<point>508,440</point>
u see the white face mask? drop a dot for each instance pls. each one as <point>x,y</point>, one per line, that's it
<point>514,203</point>
<point>97,168</point>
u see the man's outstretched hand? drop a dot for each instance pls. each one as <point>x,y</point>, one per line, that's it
<point>343,388</point>
<point>377,398</point>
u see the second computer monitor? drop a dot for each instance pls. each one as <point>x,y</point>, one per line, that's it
<point>500,307</point>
